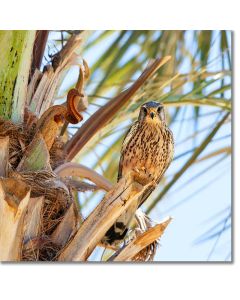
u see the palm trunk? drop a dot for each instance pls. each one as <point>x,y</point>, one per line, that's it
<point>15,62</point>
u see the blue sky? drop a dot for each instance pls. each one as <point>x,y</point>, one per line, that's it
<point>195,205</point>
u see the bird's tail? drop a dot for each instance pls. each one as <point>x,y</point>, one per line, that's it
<point>119,229</point>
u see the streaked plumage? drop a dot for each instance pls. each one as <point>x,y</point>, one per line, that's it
<point>147,148</point>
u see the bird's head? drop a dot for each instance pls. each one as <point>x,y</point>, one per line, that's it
<point>152,112</point>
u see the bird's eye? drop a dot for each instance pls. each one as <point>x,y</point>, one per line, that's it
<point>159,109</point>
<point>144,109</point>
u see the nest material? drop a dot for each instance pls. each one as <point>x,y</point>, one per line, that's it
<point>57,199</point>
<point>19,138</point>
<point>40,249</point>
<point>57,196</point>
<point>43,183</point>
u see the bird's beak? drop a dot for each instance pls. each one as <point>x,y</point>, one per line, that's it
<point>152,115</point>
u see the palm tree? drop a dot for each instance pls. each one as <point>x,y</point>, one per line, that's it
<point>42,196</point>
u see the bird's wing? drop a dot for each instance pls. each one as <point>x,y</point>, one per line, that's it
<point>130,133</point>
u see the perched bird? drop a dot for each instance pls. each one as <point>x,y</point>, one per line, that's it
<point>148,149</point>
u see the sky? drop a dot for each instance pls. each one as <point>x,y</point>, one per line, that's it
<point>199,207</point>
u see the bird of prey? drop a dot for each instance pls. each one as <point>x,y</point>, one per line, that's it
<point>148,149</point>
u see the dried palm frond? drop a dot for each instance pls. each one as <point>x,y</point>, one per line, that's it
<point>143,246</point>
<point>148,253</point>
